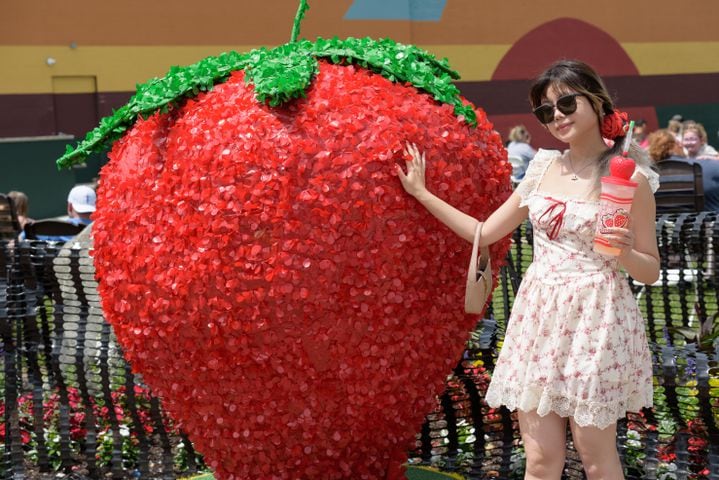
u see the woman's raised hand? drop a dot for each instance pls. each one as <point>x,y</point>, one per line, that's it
<point>413,181</point>
<point>621,238</point>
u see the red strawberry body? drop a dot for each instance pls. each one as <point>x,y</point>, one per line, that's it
<point>263,269</point>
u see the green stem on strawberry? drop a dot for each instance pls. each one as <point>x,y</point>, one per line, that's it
<point>279,75</point>
<point>298,19</point>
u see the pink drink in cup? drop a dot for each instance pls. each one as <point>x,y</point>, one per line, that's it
<point>615,202</point>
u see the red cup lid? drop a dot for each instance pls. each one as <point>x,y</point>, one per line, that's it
<point>619,181</point>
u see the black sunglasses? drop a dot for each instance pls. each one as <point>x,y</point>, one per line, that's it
<point>567,104</point>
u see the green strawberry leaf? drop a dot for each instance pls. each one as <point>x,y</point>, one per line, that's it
<point>279,75</point>
<point>283,73</point>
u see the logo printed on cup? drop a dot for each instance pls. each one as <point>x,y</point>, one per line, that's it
<point>619,219</point>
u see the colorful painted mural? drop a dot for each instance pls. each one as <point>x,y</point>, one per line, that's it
<point>67,65</point>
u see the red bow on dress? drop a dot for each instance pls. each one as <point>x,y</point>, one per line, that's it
<point>555,217</point>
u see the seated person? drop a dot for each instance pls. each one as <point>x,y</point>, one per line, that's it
<point>663,145</point>
<point>80,206</point>
<point>20,202</point>
<point>694,139</point>
<point>675,127</point>
<point>641,133</point>
<point>710,177</point>
<point>519,147</point>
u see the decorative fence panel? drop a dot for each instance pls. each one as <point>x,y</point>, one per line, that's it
<point>71,403</point>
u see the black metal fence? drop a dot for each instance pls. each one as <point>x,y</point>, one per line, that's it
<point>677,439</point>
<point>71,404</point>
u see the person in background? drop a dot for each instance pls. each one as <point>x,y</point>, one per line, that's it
<point>677,118</point>
<point>641,133</point>
<point>694,141</point>
<point>80,205</point>
<point>675,127</point>
<point>710,180</point>
<point>663,145</point>
<point>20,202</point>
<point>519,151</point>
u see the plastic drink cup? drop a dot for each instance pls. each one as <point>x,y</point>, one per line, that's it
<point>615,203</point>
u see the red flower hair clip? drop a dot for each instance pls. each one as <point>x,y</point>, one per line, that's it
<point>615,124</point>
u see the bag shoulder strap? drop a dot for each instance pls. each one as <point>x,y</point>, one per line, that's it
<point>479,266</point>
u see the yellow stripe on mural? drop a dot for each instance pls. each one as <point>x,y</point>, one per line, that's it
<point>26,69</point>
<point>30,69</point>
<point>474,63</point>
<point>670,58</point>
<point>74,84</point>
<point>478,62</point>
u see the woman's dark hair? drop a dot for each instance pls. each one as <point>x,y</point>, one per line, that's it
<point>20,202</point>
<point>575,76</point>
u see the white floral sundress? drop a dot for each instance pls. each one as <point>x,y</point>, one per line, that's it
<point>575,341</point>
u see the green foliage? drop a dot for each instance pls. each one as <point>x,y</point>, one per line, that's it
<point>283,73</point>
<point>634,454</point>
<point>706,336</point>
<point>279,75</point>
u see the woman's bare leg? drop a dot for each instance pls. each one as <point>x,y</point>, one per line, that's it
<point>545,443</point>
<point>598,449</point>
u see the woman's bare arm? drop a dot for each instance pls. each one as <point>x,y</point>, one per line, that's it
<point>502,222</point>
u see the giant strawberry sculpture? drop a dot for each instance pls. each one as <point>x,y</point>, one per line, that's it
<point>263,270</point>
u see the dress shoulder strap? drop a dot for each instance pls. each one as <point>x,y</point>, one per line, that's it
<point>535,171</point>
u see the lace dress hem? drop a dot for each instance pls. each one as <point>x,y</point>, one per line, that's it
<point>585,413</point>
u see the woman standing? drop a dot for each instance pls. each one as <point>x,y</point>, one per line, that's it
<point>575,350</point>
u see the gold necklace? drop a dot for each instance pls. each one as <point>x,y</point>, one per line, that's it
<point>575,175</point>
